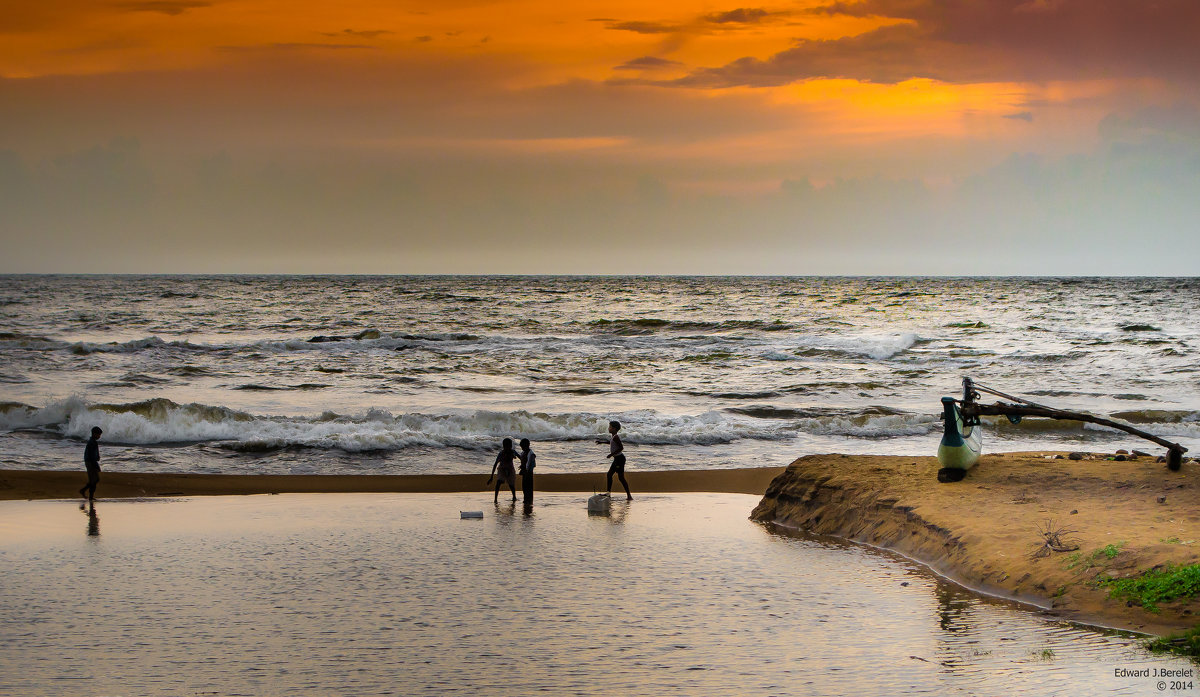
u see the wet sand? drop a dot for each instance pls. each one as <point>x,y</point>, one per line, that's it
<point>26,484</point>
<point>983,532</point>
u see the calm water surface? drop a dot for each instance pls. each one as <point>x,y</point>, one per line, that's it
<point>394,594</point>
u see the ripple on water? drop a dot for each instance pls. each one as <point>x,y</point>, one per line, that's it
<point>379,594</point>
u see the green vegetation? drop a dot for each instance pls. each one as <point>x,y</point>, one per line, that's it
<point>1045,654</point>
<point>1155,587</point>
<point>1109,551</point>
<point>1185,643</point>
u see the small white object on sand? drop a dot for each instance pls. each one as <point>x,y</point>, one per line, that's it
<point>470,514</point>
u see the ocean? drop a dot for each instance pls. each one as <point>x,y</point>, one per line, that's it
<point>426,374</point>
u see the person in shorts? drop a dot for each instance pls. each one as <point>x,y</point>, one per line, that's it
<point>503,471</point>
<point>616,450</point>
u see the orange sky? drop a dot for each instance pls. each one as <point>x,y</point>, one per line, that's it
<point>571,100</point>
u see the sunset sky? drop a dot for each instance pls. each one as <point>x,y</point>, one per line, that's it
<point>1056,137</point>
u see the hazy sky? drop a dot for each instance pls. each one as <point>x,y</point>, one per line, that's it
<point>808,137</point>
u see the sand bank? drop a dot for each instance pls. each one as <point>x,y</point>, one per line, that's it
<point>27,484</point>
<point>982,532</point>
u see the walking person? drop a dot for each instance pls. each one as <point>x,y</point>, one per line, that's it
<point>528,462</point>
<point>616,450</point>
<point>503,471</point>
<point>91,460</point>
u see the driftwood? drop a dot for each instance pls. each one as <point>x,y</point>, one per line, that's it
<point>1054,540</point>
<point>972,410</point>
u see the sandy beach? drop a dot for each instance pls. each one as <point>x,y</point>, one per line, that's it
<point>1126,518</point>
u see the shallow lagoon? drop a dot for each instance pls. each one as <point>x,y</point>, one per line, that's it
<point>394,594</point>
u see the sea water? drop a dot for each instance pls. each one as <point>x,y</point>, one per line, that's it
<point>284,374</point>
<point>392,594</point>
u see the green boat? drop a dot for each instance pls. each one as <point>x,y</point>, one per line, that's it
<point>962,436</point>
<point>962,441</point>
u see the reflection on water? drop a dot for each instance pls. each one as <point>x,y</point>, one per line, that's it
<point>93,526</point>
<point>394,594</point>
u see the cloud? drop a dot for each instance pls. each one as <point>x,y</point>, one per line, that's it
<point>1020,116</point>
<point>742,15</point>
<point>996,41</point>
<point>166,7</point>
<point>648,63</point>
<point>645,27</point>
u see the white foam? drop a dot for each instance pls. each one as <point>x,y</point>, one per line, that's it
<point>873,425</point>
<point>161,421</point>
<point>877,346</point>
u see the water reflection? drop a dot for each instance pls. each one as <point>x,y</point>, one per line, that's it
<point>93,526</point>
<point>668,595</point>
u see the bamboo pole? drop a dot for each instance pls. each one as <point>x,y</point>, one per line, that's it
<point>1175,451</point>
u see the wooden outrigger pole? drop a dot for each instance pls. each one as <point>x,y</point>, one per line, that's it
<point>972,410</point>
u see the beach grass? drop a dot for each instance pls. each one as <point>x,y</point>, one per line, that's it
<point>1157,586</point>
<point>1186,643</point>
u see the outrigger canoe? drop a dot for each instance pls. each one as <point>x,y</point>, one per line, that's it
<point>962,438</point>
<point>962,442</point>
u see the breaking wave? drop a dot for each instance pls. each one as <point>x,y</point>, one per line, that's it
<point>163,422</point>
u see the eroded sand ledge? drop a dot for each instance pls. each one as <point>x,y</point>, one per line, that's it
<point>981,532</point>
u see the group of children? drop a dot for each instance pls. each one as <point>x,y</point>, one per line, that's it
<point>504,473</point>
<point>502,466</point>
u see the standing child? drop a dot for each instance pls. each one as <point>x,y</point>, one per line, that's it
<point>502,470</point>
<point>616,450</point>
<point>528,462</point>
<point>91,460</point>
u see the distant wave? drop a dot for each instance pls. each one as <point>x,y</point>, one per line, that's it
<point>876,346</point>
<point>651,325</point>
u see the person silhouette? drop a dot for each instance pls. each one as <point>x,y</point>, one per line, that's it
<point>616,450</point>
<point>528,462</point>
<point>91,460</point>
<point>502,470</point>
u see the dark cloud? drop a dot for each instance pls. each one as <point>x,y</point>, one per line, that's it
<point>647,63</point>
<point>166,7</point>
<point>742,15</point>
<point>425,38</point>
<point>645,27</point>
<point>1020,116</point>
<point>1003,40</point>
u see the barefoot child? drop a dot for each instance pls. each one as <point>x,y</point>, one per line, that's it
<point>528,462</point>
<point>91,460</point>
<point>503,471</point>
<point>616,452</point>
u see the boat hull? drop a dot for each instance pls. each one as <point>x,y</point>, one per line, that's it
<point>961,443</point>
